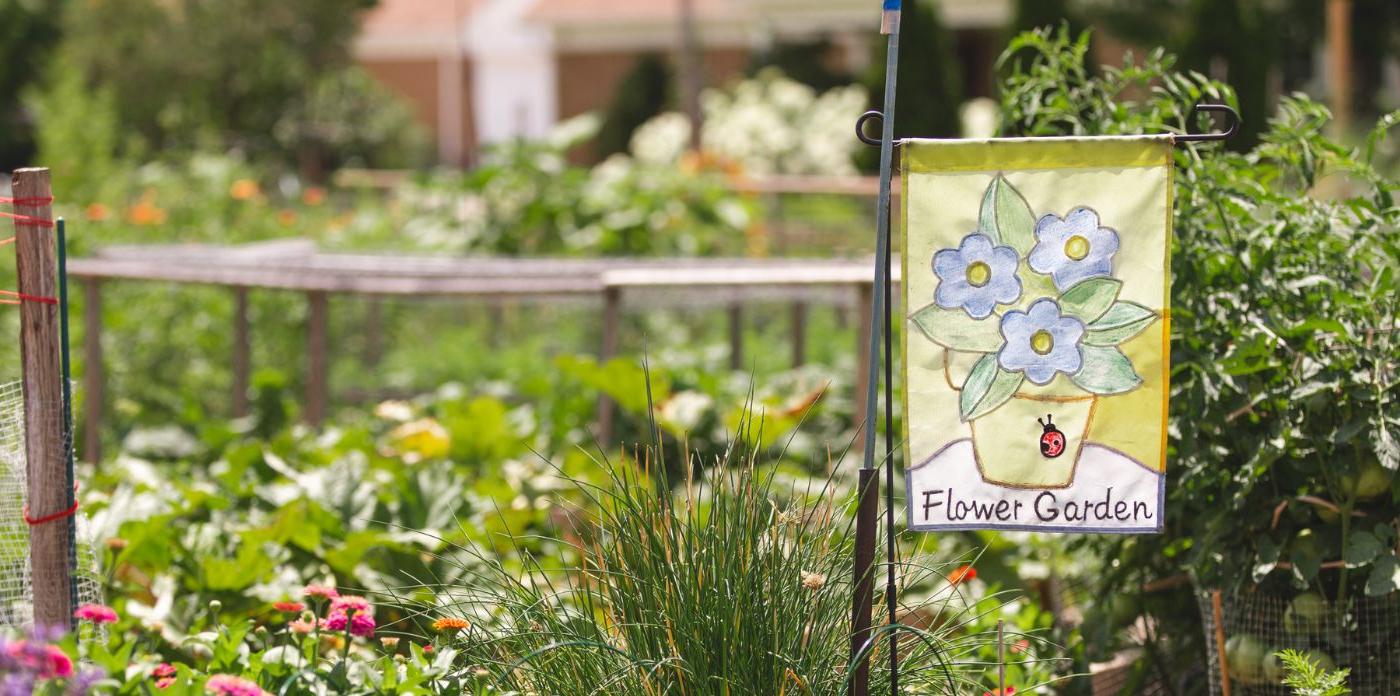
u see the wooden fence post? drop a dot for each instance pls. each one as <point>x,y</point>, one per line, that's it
<point>863,291</point>
<point>46,448</point>
<point>612,324</point>
<point>799,333</point>
<point>93,376</point>
<point>317,361</point>
<point>241,361</point>
<point>736,336</point>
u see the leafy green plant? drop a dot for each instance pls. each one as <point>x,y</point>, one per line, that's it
<point>1284,418</point>
<point>1308,677</point>
<point>734,583</point>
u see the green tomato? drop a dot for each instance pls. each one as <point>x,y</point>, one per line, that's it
<point>1244,654</point>
<point>1273,668</point>
<point>1321,659</point>
<point>1305,614</point>
<point>1371,483</point>
<point>1327,515</point>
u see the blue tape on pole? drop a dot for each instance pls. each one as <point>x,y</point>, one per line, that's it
<point>892,4</point>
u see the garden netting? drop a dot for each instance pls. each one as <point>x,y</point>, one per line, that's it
<point>16,596</point>
<point>1361,634</point>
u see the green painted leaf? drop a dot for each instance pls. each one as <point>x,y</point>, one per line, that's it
<point>1105,371</point>
<point>1006,217</point>
<point>1122,321</point>
<point>1090,299</point>
<point>987,387</point>
<point>954,329</point>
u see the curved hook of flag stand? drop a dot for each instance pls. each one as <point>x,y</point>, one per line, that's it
<point>1232,126</point>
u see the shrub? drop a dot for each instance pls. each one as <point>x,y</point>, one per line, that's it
<point>1284,299</point>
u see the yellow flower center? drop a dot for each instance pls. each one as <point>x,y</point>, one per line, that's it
<point>978,274</point>
<point>1076,247</point>
<point>1042,342</point>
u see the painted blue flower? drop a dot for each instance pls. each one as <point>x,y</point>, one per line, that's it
<point>976,276</point>
<point>1041,342</point>
<point>1073,248</point>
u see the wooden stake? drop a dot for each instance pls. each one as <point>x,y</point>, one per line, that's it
<point>46,450</point>
<point>1219,616</point>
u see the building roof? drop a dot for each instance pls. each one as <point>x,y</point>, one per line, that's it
<point>607,11</point>
<point>398,18</point>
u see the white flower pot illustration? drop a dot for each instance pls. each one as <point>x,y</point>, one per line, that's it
<point>1007,440</point>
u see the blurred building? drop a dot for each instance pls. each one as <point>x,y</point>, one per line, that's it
<point>482,71</point>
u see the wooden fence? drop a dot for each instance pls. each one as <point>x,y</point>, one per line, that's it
<point>614,283</point>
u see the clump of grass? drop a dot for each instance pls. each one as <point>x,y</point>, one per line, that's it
<point>737,582</point>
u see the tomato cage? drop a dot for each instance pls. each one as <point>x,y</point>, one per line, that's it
<point>16,590</point>
<point>1247,627</point>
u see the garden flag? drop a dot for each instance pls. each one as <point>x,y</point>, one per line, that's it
<point>1036,296</point>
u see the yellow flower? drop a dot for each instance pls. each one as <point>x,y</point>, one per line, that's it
<point>421,439</point>
<point>244,189</point>
<point>450,624</point>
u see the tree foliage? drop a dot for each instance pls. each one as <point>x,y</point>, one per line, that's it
<point>644,93</point>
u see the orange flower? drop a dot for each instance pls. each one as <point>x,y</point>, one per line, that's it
<point>962,574</point>
<point>244,189</point>
<point>450,624</point>
<point>97,212</point>
<point>286,218</point>
<point>313,195</point>
<point>146,212</point>
<point>1000,692</point>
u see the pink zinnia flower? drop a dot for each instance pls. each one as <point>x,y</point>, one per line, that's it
<point>356,623</point>
<point>289,607</point>
<point>323,591</point>
<point>60,665</point>
<point>96,613</point>
<point>229,685</point>
<point>300,626</point>
<point>348,602</point>
<point>164,674</point>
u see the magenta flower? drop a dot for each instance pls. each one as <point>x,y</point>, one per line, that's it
<point>322,591</point>
<point>164,675</point>
<point>229,685</point>
<point>96,613</point>
<point>60,665</point>
<point>358,624</point>
<point>358,604</point>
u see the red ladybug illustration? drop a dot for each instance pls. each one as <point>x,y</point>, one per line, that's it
<point>1052,441</point>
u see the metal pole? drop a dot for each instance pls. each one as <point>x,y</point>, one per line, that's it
<point>66,360</point>
<point>866,521</point>
<point>879,318</point>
